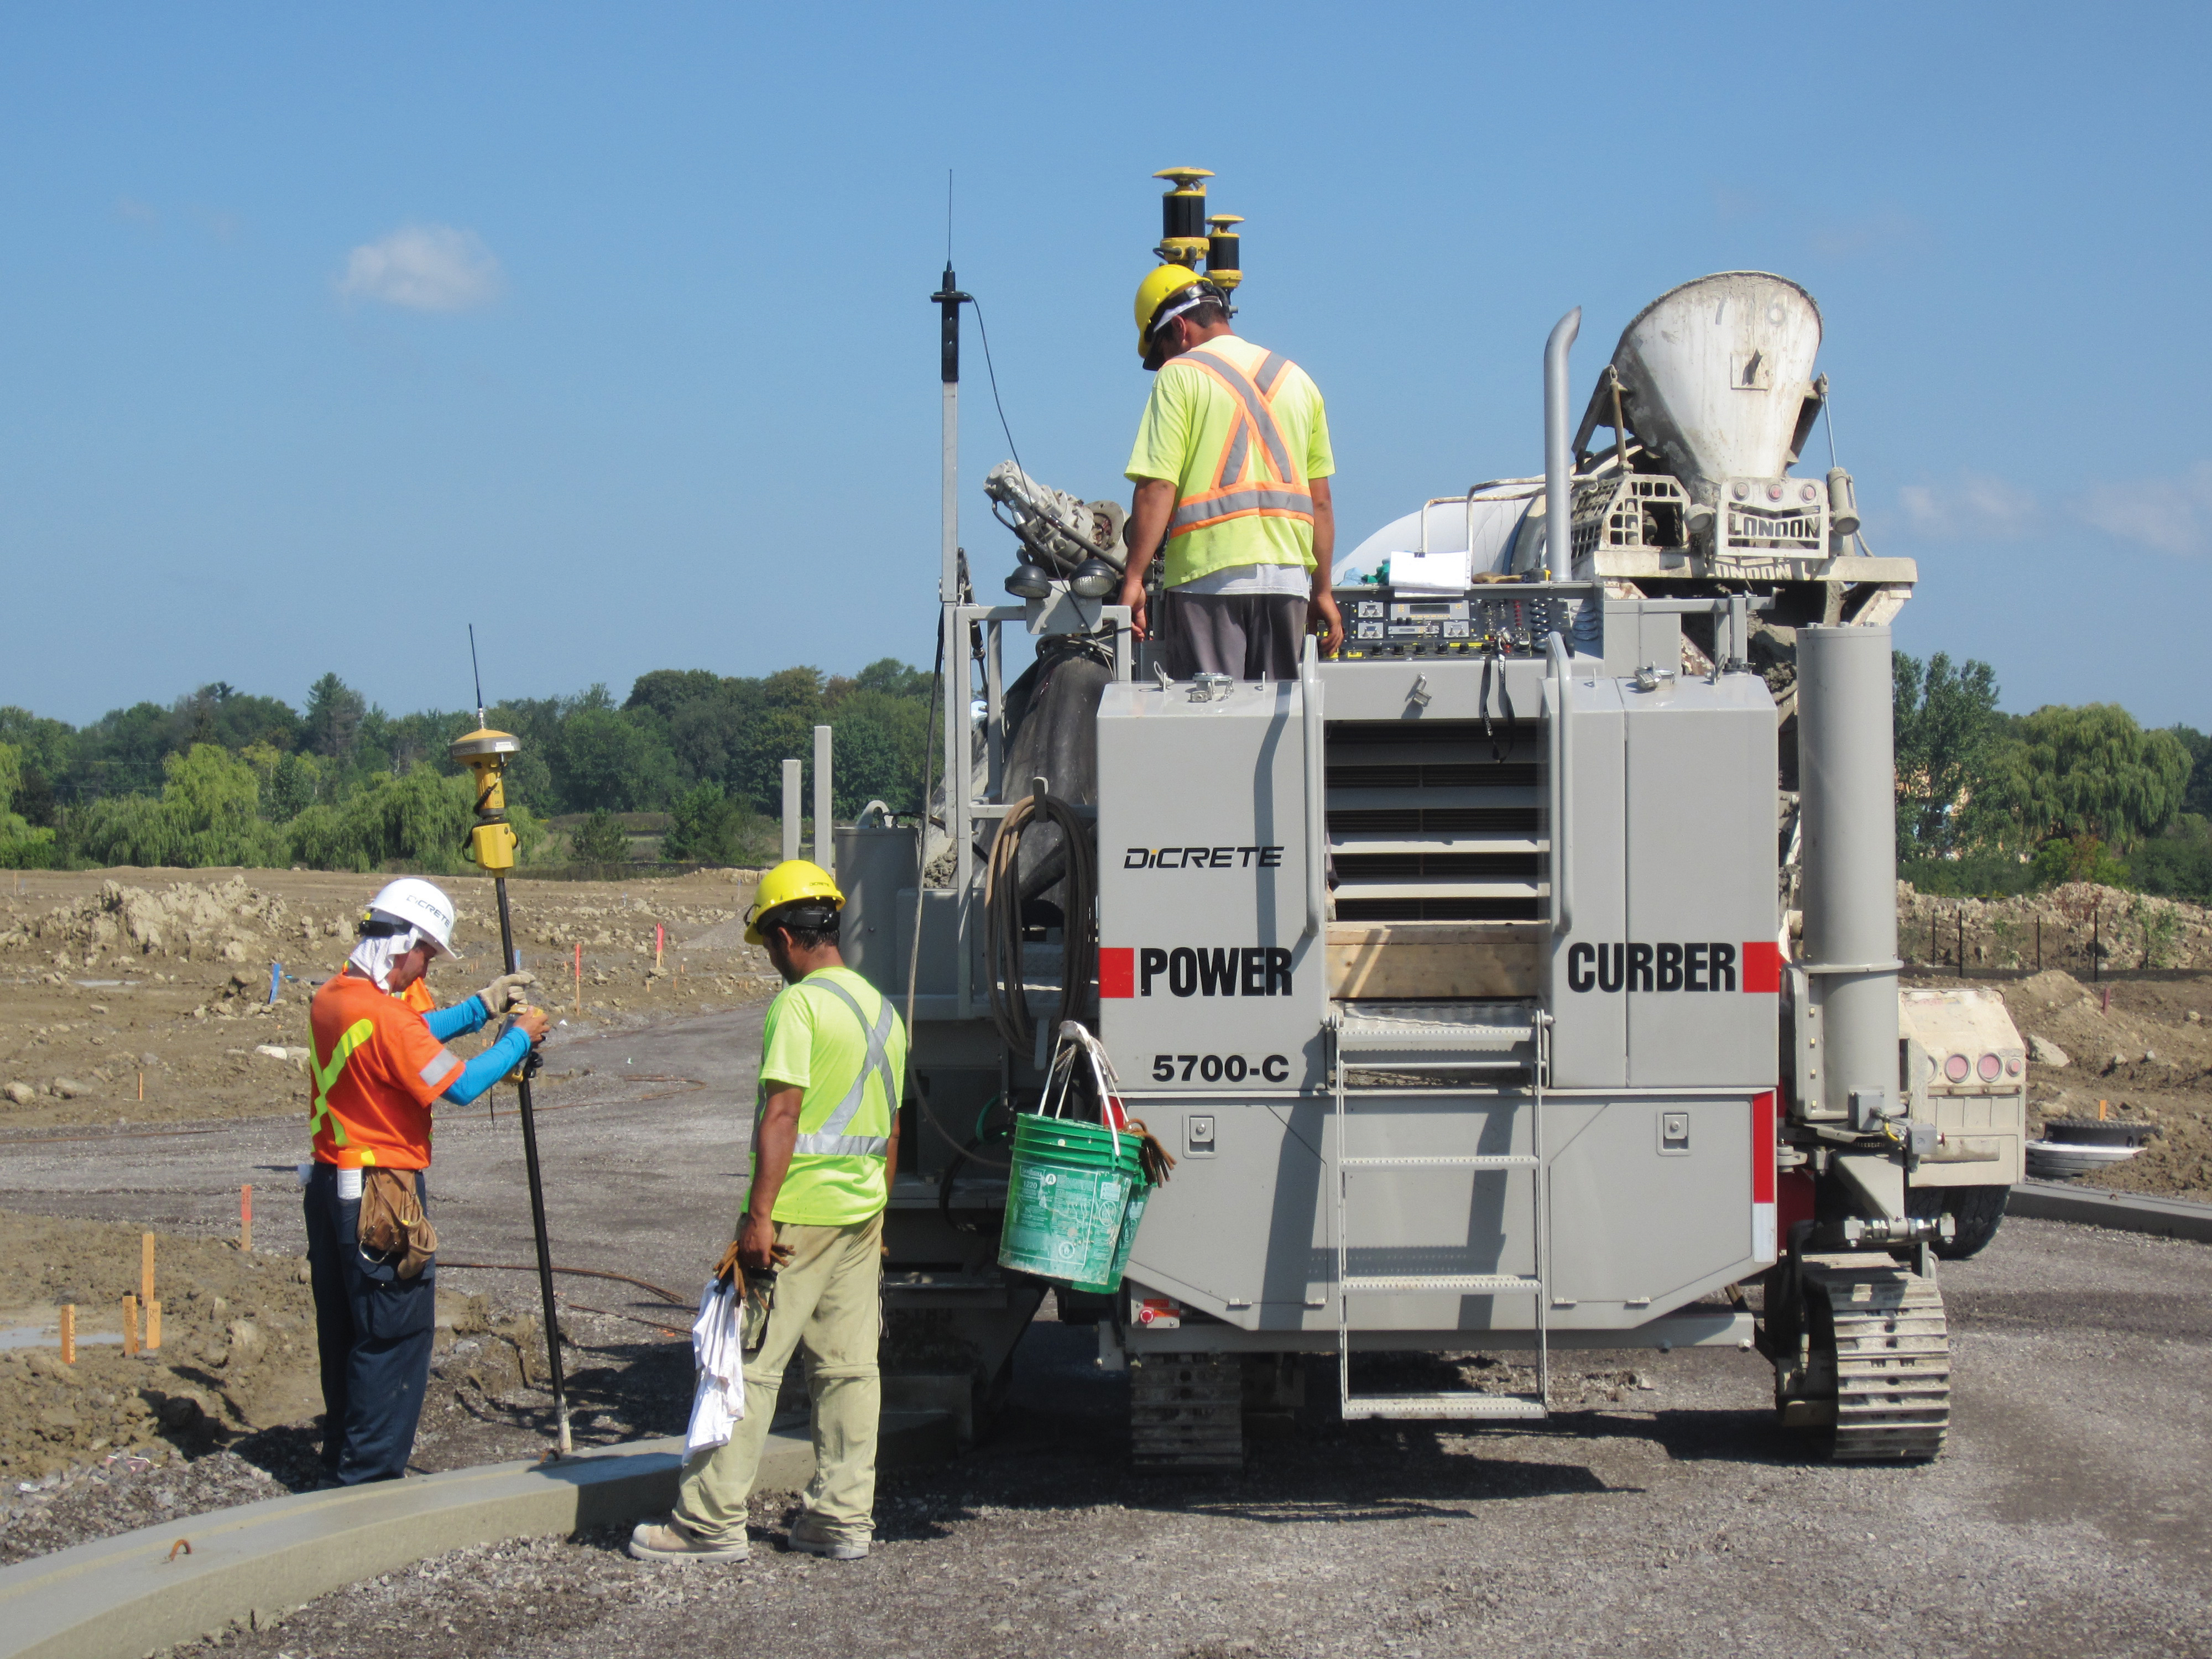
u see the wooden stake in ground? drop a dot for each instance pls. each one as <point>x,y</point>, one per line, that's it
<point>141,1088</point>
<point>153,1326</point>
<point>246,1219</point>
<point>580,982</point>
<point>659,943</point>
<point>146,1267</point>
<point>69,1332</point>
<point>130,1324</point>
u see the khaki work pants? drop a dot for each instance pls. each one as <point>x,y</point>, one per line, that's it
<point>826,1303</point>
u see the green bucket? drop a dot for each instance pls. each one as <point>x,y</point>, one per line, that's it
<point>1068,1201</point>
<point>1132,1215</point>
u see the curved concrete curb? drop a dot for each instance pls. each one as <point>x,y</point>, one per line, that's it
<point>2127,1213</point>
<point>125,1596</point>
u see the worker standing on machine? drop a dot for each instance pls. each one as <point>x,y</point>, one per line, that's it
<point>832,1055</point>
<point>378,1064</point>
<point>1231,465</point>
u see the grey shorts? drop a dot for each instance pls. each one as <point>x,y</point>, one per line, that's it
<point>1247,636</point>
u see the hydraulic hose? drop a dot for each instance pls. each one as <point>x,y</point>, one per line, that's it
<point>1002,920</point>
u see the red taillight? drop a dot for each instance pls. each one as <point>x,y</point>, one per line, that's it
<point>1990,1068</point>
<point>1956,1069</point>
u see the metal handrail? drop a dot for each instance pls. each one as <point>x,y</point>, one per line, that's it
<point>1315,780</point>
<point>1555,652</point>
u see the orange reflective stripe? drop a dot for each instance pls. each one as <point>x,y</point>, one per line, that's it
<point>1235,495</point>
<point>325,1077</point>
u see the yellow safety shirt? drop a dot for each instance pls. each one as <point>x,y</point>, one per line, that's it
<point>1241,433</point>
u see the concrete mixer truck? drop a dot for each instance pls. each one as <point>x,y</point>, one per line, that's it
<point>1524,979</point>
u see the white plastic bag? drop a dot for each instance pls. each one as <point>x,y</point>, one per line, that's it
<point>717,1350</point>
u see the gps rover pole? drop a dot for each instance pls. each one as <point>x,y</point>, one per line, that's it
<point>491,843</point>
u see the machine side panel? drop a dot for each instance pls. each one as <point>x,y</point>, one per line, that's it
<point>1698,976</point>
<point>1650,1205</point>
<point>1590,1043</point>
<point>1207,976</point>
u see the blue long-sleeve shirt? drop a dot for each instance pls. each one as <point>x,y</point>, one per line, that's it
<point>478,1075</point>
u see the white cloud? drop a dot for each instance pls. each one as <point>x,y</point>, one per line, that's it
<point>2173,515</point>
<point>1973,507</point>
<point>424,268</point>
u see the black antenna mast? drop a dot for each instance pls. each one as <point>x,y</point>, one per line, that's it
<point>477,671</point>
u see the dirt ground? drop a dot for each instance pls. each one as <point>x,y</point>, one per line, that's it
<point>226,1410</point>
<point>1669,1519</point>
<point>141,996</point>
<point>2145,1053</point>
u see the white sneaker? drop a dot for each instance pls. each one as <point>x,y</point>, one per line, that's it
<point>656,1540</point>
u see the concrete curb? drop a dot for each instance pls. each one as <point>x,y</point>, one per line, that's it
<point>2126,1212</point>
<point>125,1596</point>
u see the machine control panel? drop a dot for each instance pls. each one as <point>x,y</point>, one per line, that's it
<point>1380,622</point>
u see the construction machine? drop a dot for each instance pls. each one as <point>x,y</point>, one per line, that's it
<point>1524,979</point>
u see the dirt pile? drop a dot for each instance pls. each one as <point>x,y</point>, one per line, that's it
<point>229,921</point>
<point>2071,926</point>
<point>2146,1054</point>
<point>142,997</point>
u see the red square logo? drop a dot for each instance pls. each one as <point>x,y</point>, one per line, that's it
<point>1762,965</point>
<point>1117,971</point>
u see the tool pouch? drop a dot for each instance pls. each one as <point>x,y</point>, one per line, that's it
<point>392,1225</point>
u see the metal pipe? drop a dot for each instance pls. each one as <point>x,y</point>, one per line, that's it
<point>1555,652</point>
<point>1849,887</point>
<point>1316,786</point>
<point>1558,537</point>
<point>824,815</point>
<point>536,1199</point>
<point>790,810</point>
<point>948,300</point>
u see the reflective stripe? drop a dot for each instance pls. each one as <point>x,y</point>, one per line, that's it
<point>437,1065</point>
<point>1270,368</point>
<point>1255,411</point>
<point>1218,504</point>
<point>830,1140</point>
<point>844,1145</point>
<point>1232,459</point>
<point>354,1035</point>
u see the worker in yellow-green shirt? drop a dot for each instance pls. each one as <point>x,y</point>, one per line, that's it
<point>832,1055</point>
<point>1231,466</point>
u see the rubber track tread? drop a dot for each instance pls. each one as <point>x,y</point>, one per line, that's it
<point>1893,1362</point>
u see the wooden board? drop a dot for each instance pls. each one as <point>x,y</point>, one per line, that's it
<point>1402,961</point>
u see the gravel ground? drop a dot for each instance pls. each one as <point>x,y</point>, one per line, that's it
<point>2071,1516</point>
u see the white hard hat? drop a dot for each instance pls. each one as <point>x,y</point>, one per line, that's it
<point>419,905</point>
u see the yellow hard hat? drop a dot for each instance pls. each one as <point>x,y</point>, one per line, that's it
<point>1163,282</point>
<point>791,880</point>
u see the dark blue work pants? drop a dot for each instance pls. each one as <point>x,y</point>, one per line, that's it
<point>374,1330</point>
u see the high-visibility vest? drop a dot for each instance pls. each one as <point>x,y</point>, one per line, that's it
<point>837,1164</point>
<point>1255,476</point>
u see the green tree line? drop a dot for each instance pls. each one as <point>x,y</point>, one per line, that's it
<point>1988,802</point>
<point>222,776</point>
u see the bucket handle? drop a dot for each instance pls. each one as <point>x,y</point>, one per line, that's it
<point>1072,1031</point>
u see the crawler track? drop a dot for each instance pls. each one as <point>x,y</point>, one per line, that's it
<point>1881,1326</point>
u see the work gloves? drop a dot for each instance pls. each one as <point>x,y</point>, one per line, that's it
<point>504,992</point>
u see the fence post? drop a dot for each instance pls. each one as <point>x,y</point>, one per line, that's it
<point>790,810</point>
<point>823,813</point>
<point>1962,941</point>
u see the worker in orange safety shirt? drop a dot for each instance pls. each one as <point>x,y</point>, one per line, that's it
<point>379,1065</point>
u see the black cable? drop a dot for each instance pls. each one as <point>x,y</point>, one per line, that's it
<point>994,374</point>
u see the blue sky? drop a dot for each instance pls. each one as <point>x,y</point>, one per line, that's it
<point>325,331</point>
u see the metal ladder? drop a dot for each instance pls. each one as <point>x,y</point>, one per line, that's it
<point>1409,1041</point>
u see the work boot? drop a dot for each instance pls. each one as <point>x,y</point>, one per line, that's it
<point>658,1540</point>
<point>808,1538</point>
